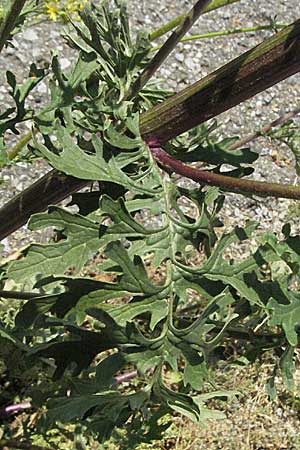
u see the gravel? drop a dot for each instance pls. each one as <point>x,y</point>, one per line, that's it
<point>188,63</point>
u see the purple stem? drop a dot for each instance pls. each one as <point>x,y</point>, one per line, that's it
<point>238,185</point>
<point>119,379</point>
<point>17,407</point>
<point>12,409</point>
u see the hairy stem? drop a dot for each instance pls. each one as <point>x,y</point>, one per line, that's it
<point>50,189</point>
<point>237,185</point>
<point>215,4</point>
<point>276,123</point>
<point>9,21</point>
<point>186,23</point>
<point>255,71</point>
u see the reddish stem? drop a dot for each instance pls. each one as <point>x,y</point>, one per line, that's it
<point>17,407</point>
<point>240,186</point>
<point>119,379</point>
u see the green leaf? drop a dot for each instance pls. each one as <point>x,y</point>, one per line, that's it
<point>158,309</point>
<point>195,370</point>
<point>135,277</point>
<point>82,241</point>
<point>81,346</point>
<point>287,367</point>
<point>65,411</point>
<point>107,368</point>
<point>200,144</point>
<point>178,402</point>
<point>73,161</point>
<point>287,316</point>
<point>222,273</point>
<point>19,93</point>
<point>78,295</point>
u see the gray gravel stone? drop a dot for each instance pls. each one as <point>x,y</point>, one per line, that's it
<point>30,35</point>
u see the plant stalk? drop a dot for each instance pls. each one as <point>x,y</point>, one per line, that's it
<point>49,189</point>
<point>213,34</point>
<point>264,130</point>
<point>12,409</point>
<point>275,59</point>
<point>215,4</point>
<point>237,185</point>
<point>270,62</point>
<point>187,22</point>
<point>9,21</point>
<point>18,147</point>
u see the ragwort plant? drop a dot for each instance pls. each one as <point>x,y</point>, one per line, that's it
<point>140,339</point>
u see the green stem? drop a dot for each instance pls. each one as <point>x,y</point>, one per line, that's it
<point>215,4</point>
<point>184,26</point>
<point>213,34</point>
<point>20,144</point>
<point>9,21</point>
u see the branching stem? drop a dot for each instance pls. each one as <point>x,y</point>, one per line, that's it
<point>256,70</point>
<point>18,147</point>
